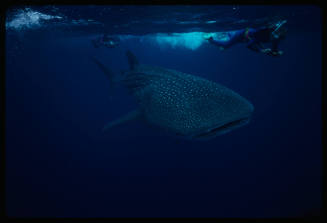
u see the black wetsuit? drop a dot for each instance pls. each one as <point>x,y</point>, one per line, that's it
<point>252,37</point>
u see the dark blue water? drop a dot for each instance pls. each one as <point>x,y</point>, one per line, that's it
<point>60,164</point>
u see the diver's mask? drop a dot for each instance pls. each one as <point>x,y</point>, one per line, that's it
<point>278,31</point>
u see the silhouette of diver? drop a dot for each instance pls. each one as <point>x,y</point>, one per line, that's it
<point>105,40</point>
<point>254,38</point>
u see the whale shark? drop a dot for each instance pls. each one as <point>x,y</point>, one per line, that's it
<point>182,104</point>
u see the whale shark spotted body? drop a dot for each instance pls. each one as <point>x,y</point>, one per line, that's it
<point>180,103</point>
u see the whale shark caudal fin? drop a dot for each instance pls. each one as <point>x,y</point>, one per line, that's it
<point>105,70</point>
<point>132,60</point>
<point>135,114</point>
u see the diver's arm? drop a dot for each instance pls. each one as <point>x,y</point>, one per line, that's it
<point>274,45</point>
<point>255,46</point>
<point>274,49</point>
<point>265,50</point>
<point>259,47</point>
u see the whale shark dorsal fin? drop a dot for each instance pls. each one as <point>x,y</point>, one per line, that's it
<point>132,60</point>
<point>135,114</point>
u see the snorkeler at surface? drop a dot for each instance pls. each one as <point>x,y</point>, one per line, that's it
<point>105,40</point>
<point>254,38</point>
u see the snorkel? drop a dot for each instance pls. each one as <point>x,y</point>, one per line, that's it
<point>276,32</point>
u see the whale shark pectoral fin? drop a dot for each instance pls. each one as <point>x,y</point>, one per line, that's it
<point>132,60</point>
<point>135,114</point>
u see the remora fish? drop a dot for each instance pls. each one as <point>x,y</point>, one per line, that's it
<point>180,103</point>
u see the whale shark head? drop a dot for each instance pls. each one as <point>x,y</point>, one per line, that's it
<point>185,104</point>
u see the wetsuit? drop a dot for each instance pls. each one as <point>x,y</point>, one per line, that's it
<point>252,37</point>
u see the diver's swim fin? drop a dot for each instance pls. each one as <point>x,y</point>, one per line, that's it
<point>128,117</point>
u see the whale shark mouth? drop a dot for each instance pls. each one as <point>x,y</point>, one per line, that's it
<point>221,129</point>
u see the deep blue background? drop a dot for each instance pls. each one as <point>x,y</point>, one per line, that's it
<point>60,164</point>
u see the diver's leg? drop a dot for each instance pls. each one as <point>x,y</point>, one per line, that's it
<point>234,37</point>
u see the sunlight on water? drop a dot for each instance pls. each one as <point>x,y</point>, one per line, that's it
<point>28,18</point>
<point>191,40</point>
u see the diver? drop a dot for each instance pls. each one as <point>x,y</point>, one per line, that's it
<point>107,41</point>
<point>255,38</point>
